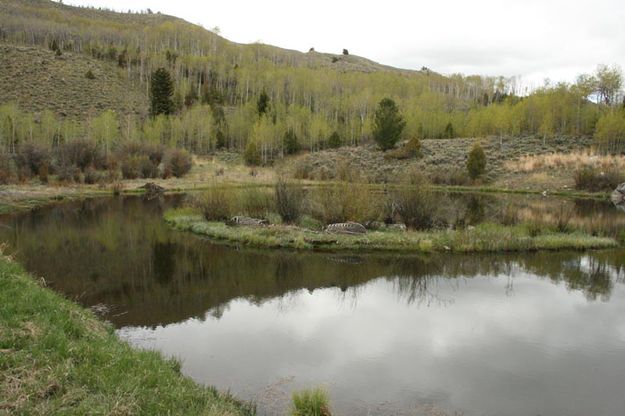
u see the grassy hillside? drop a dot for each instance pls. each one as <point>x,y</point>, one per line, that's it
<point>36,79</point>
<point>57,358</point>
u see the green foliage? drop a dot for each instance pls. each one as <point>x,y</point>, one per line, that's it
<point>610,132</point>
<point>251,154</point>
<point>476,162</point>
<point>161,93</point>
<point>334,141</point>
<point>388,124</point>
<point>291,145</point>
<point>313,402</point>
<point>449,131</point>
<point>89,74</point>
<point>262,105</point>
<point>216,204</point>
<point>69,362</point>
<point>289,201</point>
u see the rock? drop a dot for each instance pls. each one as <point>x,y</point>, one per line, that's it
<point>618,196</point>
<point>374,225</point>
<point>346,228</point>
<point>152,188</point>
<point>246,221</point>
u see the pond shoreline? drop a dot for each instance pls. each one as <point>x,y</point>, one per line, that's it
<point>57,356</point>
<point>481,238</point>
<point>25,197</point>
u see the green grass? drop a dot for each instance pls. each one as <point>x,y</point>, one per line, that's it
<point>313,402</point>
<point>58,358</point>
<point>482,238</point>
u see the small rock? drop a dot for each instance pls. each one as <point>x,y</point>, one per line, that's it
<point>246,221</point>
<point>346,228</point>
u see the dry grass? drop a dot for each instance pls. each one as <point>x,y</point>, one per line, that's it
<point>566,161</point>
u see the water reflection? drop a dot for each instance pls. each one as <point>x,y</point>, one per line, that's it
<point>533,333</point>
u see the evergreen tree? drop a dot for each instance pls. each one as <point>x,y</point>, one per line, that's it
<point>291,145</point>
<point>161,93</point>
<point>251,154</point>
<point>388,124</point>
<point>334,141</point>
<point>476,164</point>
<point>263,103</point>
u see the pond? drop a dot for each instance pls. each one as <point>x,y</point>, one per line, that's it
<point>500,334</point>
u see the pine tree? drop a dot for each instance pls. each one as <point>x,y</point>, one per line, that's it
<point>161,93</point>
<point>291,145</point>
<point>263,103</point>
<point>476,164</point>
<point>334,141</point>
<point>388,124</point>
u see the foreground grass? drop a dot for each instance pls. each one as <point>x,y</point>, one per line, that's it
<point>482,238</point>
<point>57,358</point>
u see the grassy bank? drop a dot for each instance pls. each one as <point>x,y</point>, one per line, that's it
<point>482,238</point>
<point>58,358</point>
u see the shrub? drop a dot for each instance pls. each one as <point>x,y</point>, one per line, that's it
<point>453,177</point>
<point>594,180</point>
<point>7,169</point>
<point>89,75</point>
<point>415,205</point>
<point>68,173</point>
<point>178,161</point>
<point>411,149</point>
<point>289,201</point>
<point>303,169</point>
<point>346,202</point>
<point>139,159</point>
<point>216,204</point>
<point>256,202</point>
<point>81,154</point>
<point>133,166</point>
<point>310,403</point>
<point>251,155</point>
<point>92,176</point>
<point>32,159</point>
<point>476,163</point>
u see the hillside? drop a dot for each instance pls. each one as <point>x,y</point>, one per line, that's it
<point>36,80</point>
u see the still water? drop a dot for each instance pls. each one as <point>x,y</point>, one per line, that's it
<point>507,334</point>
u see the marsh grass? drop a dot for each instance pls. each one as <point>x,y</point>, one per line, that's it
<point>314,402</point>
<point>481,238</point>
<point>58,358</point>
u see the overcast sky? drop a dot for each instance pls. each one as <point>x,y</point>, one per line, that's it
<point>534,39</point>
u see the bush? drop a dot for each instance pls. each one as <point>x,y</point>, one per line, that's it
<point>140,160</point>
<point>89,75</point>
<point>415,205</point>
<point>476,163</point>
<point>594,180</point>
<point>346,202</point>
<point>81,154</point>
<point>257,203</point>
<point>7,169</point>
<point>251,155</point>
<point>178,162</point>
<point>452,177</point>
<point>289,201</point>
<point>411,149</point>
<point>31,158</point>
<point>310,403</point>
<point>216,204</point>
